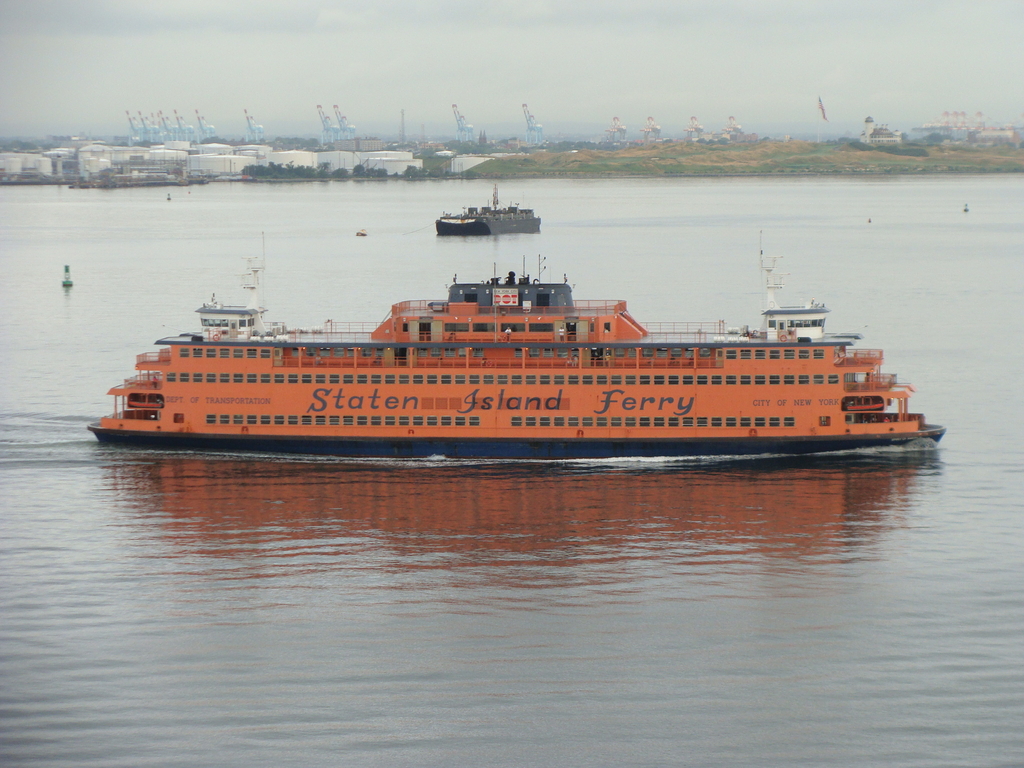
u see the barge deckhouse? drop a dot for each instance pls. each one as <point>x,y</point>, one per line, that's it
<point>513,368</point>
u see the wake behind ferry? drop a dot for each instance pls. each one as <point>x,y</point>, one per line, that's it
<point>513,368</point>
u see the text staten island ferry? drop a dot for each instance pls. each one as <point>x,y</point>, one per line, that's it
<point>513,368</point>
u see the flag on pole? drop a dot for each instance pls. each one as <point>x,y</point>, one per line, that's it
<point>821,108</point>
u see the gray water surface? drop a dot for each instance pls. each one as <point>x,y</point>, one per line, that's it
<point>165,609</point>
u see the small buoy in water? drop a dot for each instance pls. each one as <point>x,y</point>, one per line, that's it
<point>966,209</point>
<point>168,195</point>
<point>361,233</point>
<point>67,277</point>
<point>869,221</point>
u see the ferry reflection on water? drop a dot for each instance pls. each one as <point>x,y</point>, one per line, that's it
<point>443,515</point>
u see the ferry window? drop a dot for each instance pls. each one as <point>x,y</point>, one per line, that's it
<point>819,354</point>
<point>416,379</point>
<point>321,378</point>
<point>517,421</point>
<point>417,421</point>
<point>431,379</point>
<point>436,352</point>
<point>184,377</point>
<point>250,419</point>
<point>239,378</point>
<point>819,378</point>
<point>431,420</point>
<point>293,420</point>
<point>293,378</point>
<point>607,327</point>
<point>804,379</point>
<point>730,379</point>
<point>659,380</point>
<point>588,421</point>
<point>773,421</point>
<point>265,353</point>
<point>673,379</point>
<point>334,421</point>
<point>225,353</point>
<point>307,421</point>
<point>759,380</point>
<point>702,421</point>
<point>789,379</point>
<point>673,421</point>
<point>264,419</point>
<point>716,421</point>
<point>403,378</point>
<point>519,379</point>
<point>483,327</point>
<point>702,379</point>
<point>771,323</point>
<point>774,354</point>
<point>661,353</point>
<point>744,354</point>
<point>730,421</point>
<point>446,378</point>
<point>586,380</point>
<point>774,379</point>
<point>687,421</point>
<point>789,354</point>
<point>211,378</point>
<point>264,378</point>
<point>789,421</point>
<point>446,421</point>
<point>472,298</point>
<point>321,421</point>
<point>759,354</point>
<point>759,421</point>
<point>279,378</point>
<point>833,378</point>
<point>644,380</point>
<point>237,418</point>
<point>659,421</point>
<point>676,352</point>
<point>456,327</point>
<point>183,352</point>
<point>687,380</point>
<point>559,421</point>
<point>197,352</point>
<point>744,379</point>
<point>630,421</point>
<point>307,378</point>
<point>571,380</point>
<point>211,418</point>
<point>388,420</point>
<point>574,421</point>
<point>478,352</point>
<point>825,421</point>
<point>805,354</point>
<point>211,352</point>
<point>349,421</point>
<point>225,378</point>
<point>449,352</point>
<point>171,376</point>
<point>705,352</point>
<point>388,379</point>
<point>730,354</point>
<point>248,353</point>
<point>716,379</point>
<point>744,421</point>
<point>348,378</point>
<point>403,421</point>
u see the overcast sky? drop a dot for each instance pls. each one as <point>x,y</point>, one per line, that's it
<point>75,66</point>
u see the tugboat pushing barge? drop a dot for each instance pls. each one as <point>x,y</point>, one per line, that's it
<point>489,220</point>
<point>513,368</point>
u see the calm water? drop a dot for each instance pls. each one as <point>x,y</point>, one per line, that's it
<point>234,610</point>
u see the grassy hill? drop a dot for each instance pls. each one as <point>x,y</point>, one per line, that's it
<point>794,157</point>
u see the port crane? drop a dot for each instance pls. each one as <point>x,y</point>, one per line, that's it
<point>345,131</point>
<point>329,133</point>
<point>185,132</point>
<point>134,130</point>
<point>534,132</point>
<point>651,131</point>
<point>463,130</point>
<point>732,128</point>
<point>617,132</point>
<point>694,130</point>
<point>253,132</point>
<point>206,131</point>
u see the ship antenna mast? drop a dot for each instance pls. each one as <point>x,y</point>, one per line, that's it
<point>541,266</point>
<point>495,199</point>
<point>772,280</point>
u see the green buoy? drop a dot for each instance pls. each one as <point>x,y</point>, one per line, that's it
<point>67,277</point>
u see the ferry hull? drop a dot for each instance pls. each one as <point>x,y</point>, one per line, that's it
<point>490,448</point>
<point>483,227</point>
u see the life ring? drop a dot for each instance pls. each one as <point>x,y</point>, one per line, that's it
<point>783,337</point>
<point>215,335</point>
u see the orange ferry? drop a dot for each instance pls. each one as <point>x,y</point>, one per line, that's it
<point>513,368</point>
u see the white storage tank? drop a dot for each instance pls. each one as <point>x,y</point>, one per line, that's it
<point>338,159</point>
<point>296,157</point>
<point>218,165</point>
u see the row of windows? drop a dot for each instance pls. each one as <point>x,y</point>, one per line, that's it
<point>447,378</point>
<point>516,421</point>
<point>654,421</point>
<point>730,354</point>
<point>347,421</point>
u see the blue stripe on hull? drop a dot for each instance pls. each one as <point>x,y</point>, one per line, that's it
<point>510,449</point>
